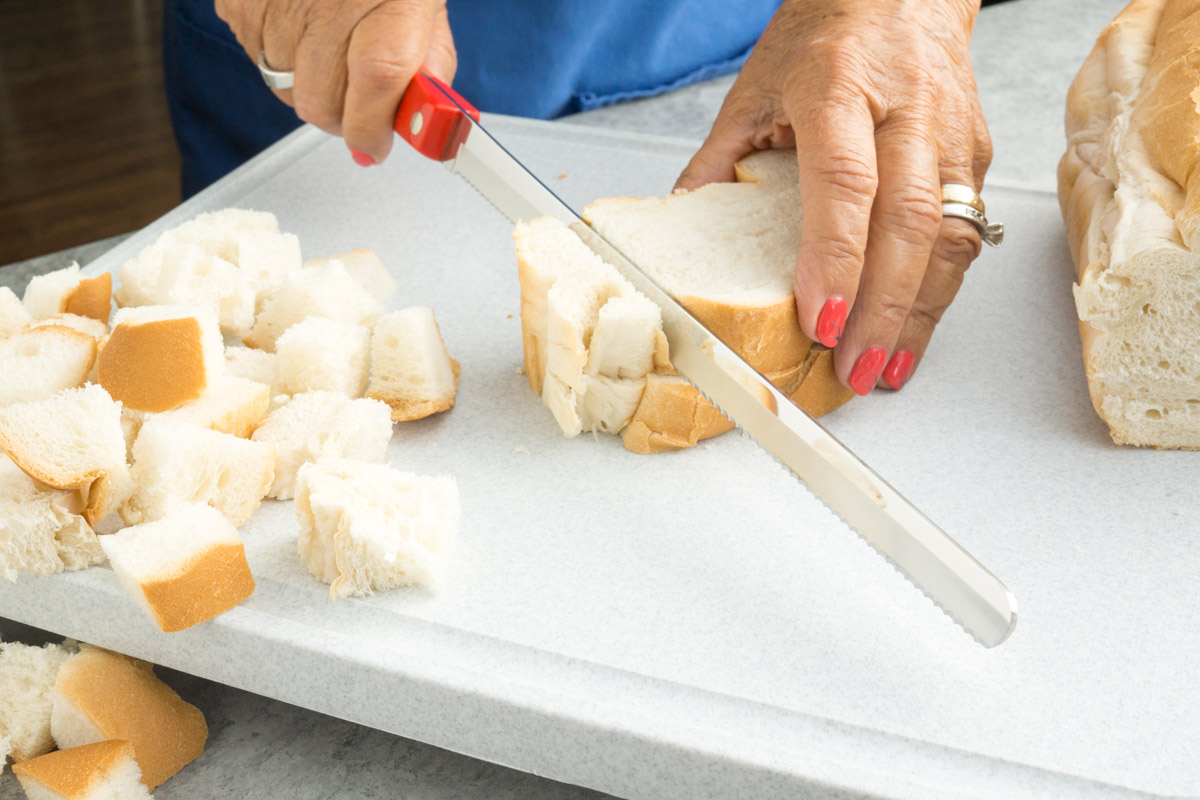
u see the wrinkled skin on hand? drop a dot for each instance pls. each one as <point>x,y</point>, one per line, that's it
<point>352,59</point>
<point>879,100</point>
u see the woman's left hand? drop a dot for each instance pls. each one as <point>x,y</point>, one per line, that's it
<point>879,101</point>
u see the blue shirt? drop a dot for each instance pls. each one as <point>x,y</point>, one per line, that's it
<point>536,58</point>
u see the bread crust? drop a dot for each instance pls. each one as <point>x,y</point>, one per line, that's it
<point>1130,199</point>
<point>154,366</point>
<point>124,700</point>
<point>92,298</point>
<point>74,772</point>
<point>208,585</point>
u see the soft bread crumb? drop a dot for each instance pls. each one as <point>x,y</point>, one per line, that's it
<point>367,527</point>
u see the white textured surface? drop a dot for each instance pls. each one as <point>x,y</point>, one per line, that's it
<point>698,619</point>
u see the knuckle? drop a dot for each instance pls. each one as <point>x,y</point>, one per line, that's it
<point>378,70</point>
<point>983,153</point>
<point>926,319</point>
<point>890,310</point>
<point>317,110</point>
<point>849,179</point>
<point>958,245</point>
<point>912,215</point>
<point>844,252</point>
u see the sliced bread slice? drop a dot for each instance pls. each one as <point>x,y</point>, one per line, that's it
<point>410,368</point>
<point>177,463</point>
<point>39,361</point>
<point>318,354</point>
<point>159,357</point>
<point>72,440</point>
<point>102,771</point>
<point>326,290</point>
<point>314,425</point>
<point>367,527</point>
<point>184,568</point>
<point>27,676</point>
<point>100,695</point>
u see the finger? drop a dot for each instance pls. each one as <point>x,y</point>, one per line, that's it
<point>319,91</point>
<point>281,27</point>
<point>386,50</point>
<point>904,224</point>
<point>244,18</point>
<point>441,59</point>
<point>957,245</point>
<point>729,140</point>
<point>835,152</point>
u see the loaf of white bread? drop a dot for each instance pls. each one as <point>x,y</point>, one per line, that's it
<point>594,347</point>
<point>102,771</point>
<point>1130,196</point>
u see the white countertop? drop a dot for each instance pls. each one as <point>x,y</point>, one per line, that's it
<point>1026,51</point>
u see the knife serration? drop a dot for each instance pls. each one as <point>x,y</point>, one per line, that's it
<point>938,566</point>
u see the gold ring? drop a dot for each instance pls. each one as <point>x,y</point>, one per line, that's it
<point>963,194</point>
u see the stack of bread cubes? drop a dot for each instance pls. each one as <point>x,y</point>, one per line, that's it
<point>119,730</point>
<point>231,372</point>
<point>594,346</point>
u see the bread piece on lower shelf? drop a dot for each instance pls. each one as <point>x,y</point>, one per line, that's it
<point>102,771</point>
<point>159,357</point>
<point>13,315</point>
<point>184,568</point>
<point>5,747</point>
<point>37,362</point>
<point>100,695</point>
<point>73,440</point>
<point>27,676</point>
<point>177,463</point>
<point>315,425</point>
<point>318,354</point>
<point>367,527</point>
<point>410,368</point>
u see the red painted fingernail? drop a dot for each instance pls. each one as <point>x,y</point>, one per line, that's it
<point>832,320</point>
<point>361,158</point>
<point>897,370</point>
<point>866,370</point>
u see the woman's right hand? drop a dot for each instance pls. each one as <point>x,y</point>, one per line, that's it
<point>352,59</point>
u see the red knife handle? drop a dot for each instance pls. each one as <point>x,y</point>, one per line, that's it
<point>430,120</point>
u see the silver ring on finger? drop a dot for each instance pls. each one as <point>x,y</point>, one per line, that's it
<point>275,78</point>
<point>990,232</point>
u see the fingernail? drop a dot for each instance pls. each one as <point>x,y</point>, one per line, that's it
<point>897,370</point>
<point>832,320</point>
<point>361,158</point>
<point>866,370</point>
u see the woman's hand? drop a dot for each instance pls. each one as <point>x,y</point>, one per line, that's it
<point>352,59</point>
<point>879,101</point>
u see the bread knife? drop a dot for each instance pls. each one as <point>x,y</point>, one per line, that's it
<point>441,125</point>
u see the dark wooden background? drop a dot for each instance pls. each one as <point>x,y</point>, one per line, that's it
<point>86,149</point>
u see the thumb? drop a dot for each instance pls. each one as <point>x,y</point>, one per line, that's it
<point>441,59</point>
<point>728,141</point>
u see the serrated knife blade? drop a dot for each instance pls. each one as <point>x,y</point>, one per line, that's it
<point>443,126</point>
